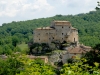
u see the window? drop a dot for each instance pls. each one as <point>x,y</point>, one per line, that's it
<point>74,39</point>
<point>62,33</point>
<point>62,26</point>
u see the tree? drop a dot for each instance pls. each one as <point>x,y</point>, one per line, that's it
<point>97,47</point>
<point>18,64</point>
<point>93,55</point>
<point>11,65</point>
<point>79,68</point>
<point>15,41</point>
<point>97,8</point>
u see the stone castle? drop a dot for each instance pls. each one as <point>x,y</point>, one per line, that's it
<point>58,31</point>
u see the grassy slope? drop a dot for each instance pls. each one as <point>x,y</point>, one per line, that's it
<point>23,46</point>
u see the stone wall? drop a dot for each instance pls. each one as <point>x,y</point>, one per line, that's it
<point>58,31</point>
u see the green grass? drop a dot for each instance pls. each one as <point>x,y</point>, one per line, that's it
<point>23,46</point>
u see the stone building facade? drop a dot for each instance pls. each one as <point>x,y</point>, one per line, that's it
<point>58,31</point>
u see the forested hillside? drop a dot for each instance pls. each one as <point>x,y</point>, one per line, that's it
<point>12,34</point>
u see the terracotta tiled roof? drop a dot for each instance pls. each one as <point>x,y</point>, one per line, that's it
<point>77,50</point>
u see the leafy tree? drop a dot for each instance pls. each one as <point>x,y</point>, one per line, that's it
<point>97,8</point>
<point>79,68</point>
<point>93,55</point>
<point>88,25</point>
<point>10,66</point>
<point>15,41</point>
<point>17,64</point>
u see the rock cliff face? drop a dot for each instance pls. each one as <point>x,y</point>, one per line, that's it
<point>57,56</point>
<point>70,52</point>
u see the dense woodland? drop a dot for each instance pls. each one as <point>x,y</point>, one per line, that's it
<point>14,33</point>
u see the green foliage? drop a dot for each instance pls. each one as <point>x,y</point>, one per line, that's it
<point>37,67</point>
<point>17,64</point>
<point>93,55</point>
<point>97,47</point>
<point>15,41</point>
<point>42,48</point>
<point>6,49</point>
<point>79,68</point>
<point>18,32</point>
<point>98,7</point>
<point>10,66</point>
<point>23,48</point>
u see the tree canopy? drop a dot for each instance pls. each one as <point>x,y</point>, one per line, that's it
<point>14,33</point>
